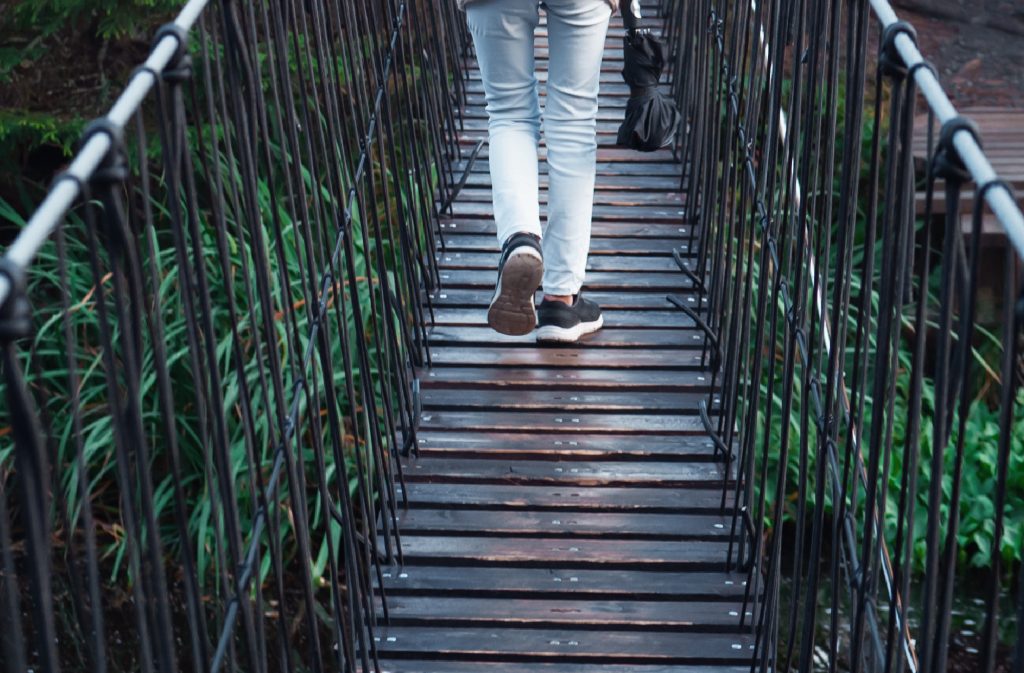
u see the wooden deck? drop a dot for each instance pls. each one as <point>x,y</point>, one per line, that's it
<point>1002,134</point>
<point>564,508</point>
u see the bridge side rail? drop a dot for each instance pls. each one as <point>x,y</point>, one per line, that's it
<point>859,357</point>
<point>211,328</point>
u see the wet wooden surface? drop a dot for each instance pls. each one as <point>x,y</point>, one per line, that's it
<point>565,505</point>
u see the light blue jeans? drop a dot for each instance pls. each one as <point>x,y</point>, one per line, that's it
<point>503,33</point>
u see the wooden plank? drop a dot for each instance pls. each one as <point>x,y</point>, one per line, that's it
<point>563,379</point>
<point>612,52</point>
<point>446,319</point>
<point>613,319</point>
<point>615,29</point>
<point>606,129</point>
<point>489,261</point>
<point>571,473</point>
<point>567,401</point>
<point>598,280</point>
<point>578,356</point>
<point>568,646</point>
<point>626,199</point>
<point>477,109</point>
<point>535,552</point>
<point>414,666</point>
<point>677,232</point>
<point>605,137</point>
<point>551,583</point>
<point>566,423</point>
<point>603,169</point>
<point>610,85</point>
<point>495,523</point>
<point>668,213</point>
<point>518,445</point>
<point>993,234</point>
<point>564,497</point>
<point>611,67</point>
<point>608,66</point>
<point>479,176</point>
<point>606,76</point>
<point>612,59</point>
<point>619,155</point>
<point>598,246</point>
<point>606,132</point>
<point>612,103</point>
<point>622,198</point>
<point>998,126</point>
<point>619,300</point>
<point>622,615</point>
<point>610,337</point>
<point>966,199</point>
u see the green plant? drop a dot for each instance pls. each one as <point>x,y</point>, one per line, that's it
<point>976,526</point>
<point>280,244</point>
<point>29,24</point>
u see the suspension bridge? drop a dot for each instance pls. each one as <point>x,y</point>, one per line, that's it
<point>308,452</point>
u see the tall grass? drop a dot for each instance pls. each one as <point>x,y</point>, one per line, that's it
<point>976,525</point>
<point>46,355</point>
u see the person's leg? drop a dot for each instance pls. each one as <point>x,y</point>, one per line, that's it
<point>576,34</point>
<point>503,35</point>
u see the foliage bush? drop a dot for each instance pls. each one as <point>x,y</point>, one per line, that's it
<point>29,25</point>
<point>60,61</point>
<point>48,374</point>
<point>976,526</point>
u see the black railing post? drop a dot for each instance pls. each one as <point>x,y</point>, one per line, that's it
<point>33,487</point>
<point>822,293</point>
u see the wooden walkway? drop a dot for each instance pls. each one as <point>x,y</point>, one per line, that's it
<point>564,505</point>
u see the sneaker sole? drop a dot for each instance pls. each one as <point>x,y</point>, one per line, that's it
<point>553,333</point>
<point>512,311</point>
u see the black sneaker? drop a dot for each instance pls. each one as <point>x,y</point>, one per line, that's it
<point>519,275</point>
<point>557,321</point>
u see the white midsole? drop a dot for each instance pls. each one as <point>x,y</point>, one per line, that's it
<point>568,334</point>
